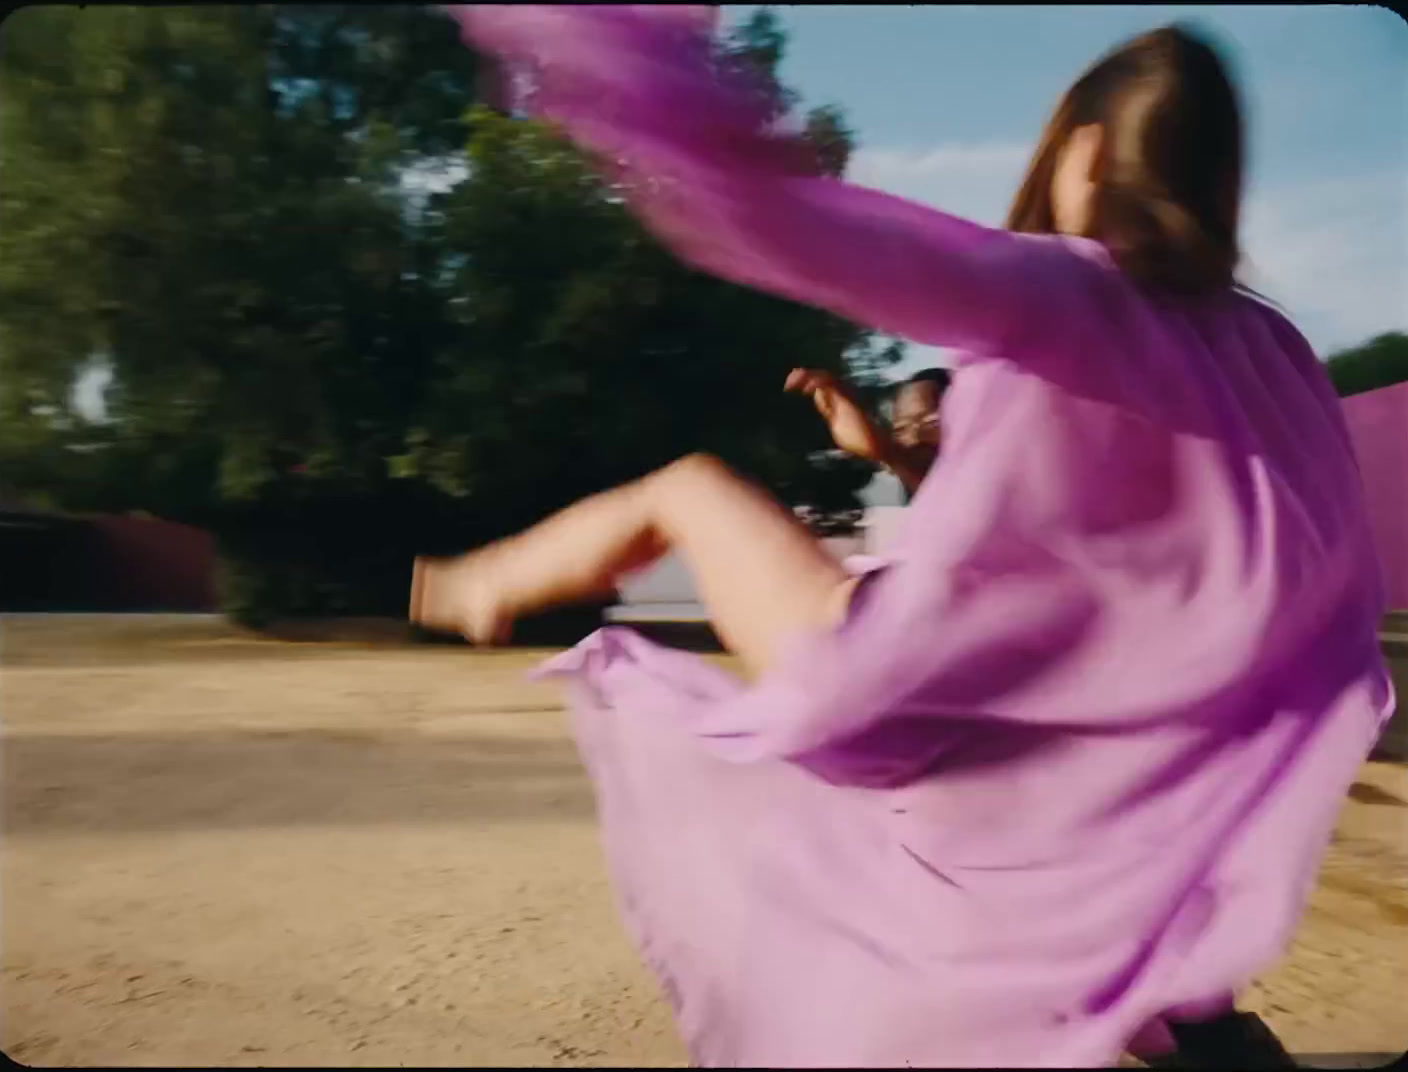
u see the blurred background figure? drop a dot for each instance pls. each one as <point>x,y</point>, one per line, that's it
<point>910,445</point>
<point>916,424</point>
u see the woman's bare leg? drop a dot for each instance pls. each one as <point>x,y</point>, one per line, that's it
<point>759,573</point>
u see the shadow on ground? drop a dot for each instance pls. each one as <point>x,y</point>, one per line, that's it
<point>565,631</point>
<point>1363,793</point>
<point>219,780</point>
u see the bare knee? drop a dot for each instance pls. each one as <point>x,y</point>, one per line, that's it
<point>697,466</point>
<point>675,494</point>
<point>692,473</point>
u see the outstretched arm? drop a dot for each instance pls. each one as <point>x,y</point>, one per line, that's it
<point>694,146</point>
<point>877,260</point>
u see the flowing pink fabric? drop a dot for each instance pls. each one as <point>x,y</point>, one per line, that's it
<point>1378,425</point>
<point>1072,759</point>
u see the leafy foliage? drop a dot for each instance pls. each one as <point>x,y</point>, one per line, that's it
<point>347,315</point>
<point>1380,362</point>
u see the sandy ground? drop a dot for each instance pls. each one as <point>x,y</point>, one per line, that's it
<point>220,851</point>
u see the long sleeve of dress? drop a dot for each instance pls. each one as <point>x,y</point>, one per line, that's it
<point>694,146</point>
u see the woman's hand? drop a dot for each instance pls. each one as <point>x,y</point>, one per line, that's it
<point>851,429</point>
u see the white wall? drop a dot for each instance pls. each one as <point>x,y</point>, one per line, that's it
<point>882,524</point>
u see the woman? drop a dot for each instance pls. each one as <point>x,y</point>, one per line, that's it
<point>1063,769</point>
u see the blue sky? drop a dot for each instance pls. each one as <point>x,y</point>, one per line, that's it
<point>948,101</point>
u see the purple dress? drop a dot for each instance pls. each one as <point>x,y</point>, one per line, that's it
<point>1071,761</point>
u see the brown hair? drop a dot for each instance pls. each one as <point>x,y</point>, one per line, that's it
<point>1168,180</point>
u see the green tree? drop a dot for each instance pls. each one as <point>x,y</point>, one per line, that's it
<point>326,367</point>
<point>189,198</point>
<point>1380,362</point>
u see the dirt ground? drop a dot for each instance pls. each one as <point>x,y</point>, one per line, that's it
<point>221,851</point>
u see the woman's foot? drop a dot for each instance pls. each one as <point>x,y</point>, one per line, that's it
<point>460,595</point>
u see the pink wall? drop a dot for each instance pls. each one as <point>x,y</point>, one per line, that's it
<point>1378,423</point>
<point>103,563</point>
